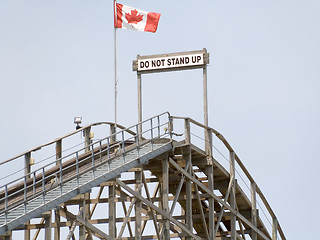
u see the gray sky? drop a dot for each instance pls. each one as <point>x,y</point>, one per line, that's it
<point>56,62</point>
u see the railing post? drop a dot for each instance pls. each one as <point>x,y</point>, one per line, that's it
<point>93,162</point>
<point>170,127</point>
<point>122,145</point>
<point>274,228</point>
<point>56,212</point>
<point>34,183</point>
<point>27,170</point>
<point>137,142</point>
<point>151,134</point>
<point>58,151</point>
<point>158,119</point>
<point>6,204</point>
<point>27,166</point>
<point>205,92</point>
<point>233,196</point>
<point>25,194</point>
<point>60,176</point>
<point>77,168</point>
<point>108,147</point>
<point>187,133</point>
<point>139,106</point>
<point>112,133</point>
<point>43,186</point>
<point>254,216</point>
<point>100,151</point>
<point>87,139</point>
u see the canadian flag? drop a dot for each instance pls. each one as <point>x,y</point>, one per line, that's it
<point>132,18</point>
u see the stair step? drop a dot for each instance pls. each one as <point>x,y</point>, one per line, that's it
<point>55,192</point>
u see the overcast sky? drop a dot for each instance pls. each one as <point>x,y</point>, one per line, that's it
<point>56,62</point>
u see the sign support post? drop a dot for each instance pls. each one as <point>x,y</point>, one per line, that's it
<point>139,106</point>
<point>172,62</point>
<point>205,96</point>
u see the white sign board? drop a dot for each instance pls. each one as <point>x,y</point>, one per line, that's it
<point>168,62</point>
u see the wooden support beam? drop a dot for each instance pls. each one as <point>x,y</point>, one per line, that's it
<point>93,208</point>
<point>203,218</point>
<point>7,236</point>
<point>96,231</point>
<point>157,209</point>
<point>74,222</point>
<point>177,193</point>
<point>138,205</point>
<point>149,216</point>
<point>125,198</point>
<point>210,175</point>
<point>154,218</point>
<point>226,197</point>
<point>188,158</point>
<point>165,195</point>
<point>127,215</point>
<point>48,220</point>
<point>82,231</point>
<point>35,236</point>
<point>112,211</point>
<point>203,187</point>
<point>86,215</point>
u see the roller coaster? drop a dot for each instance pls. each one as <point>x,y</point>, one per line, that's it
<point>166,177</point>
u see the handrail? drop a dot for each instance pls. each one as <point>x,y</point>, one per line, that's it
<point>243,168</point>
<point>45,173</point>
<point>66,136</point>
<point>134,135</point>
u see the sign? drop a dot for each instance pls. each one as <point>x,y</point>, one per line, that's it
<point>171,62</point>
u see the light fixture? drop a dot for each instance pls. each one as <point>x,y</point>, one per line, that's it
<point>31,161</point>
<point>91,135</point>
<point>77,120</point>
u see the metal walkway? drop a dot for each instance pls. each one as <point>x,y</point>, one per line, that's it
<point>195,197</point>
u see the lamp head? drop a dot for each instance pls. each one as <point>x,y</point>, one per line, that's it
<point>77,120</point>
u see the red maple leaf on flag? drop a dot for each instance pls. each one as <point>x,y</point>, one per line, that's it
<point>134,17</point>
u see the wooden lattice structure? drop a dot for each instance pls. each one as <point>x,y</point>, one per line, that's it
<point>183,192</point>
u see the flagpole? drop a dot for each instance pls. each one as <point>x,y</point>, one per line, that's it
<point>115,68</point>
